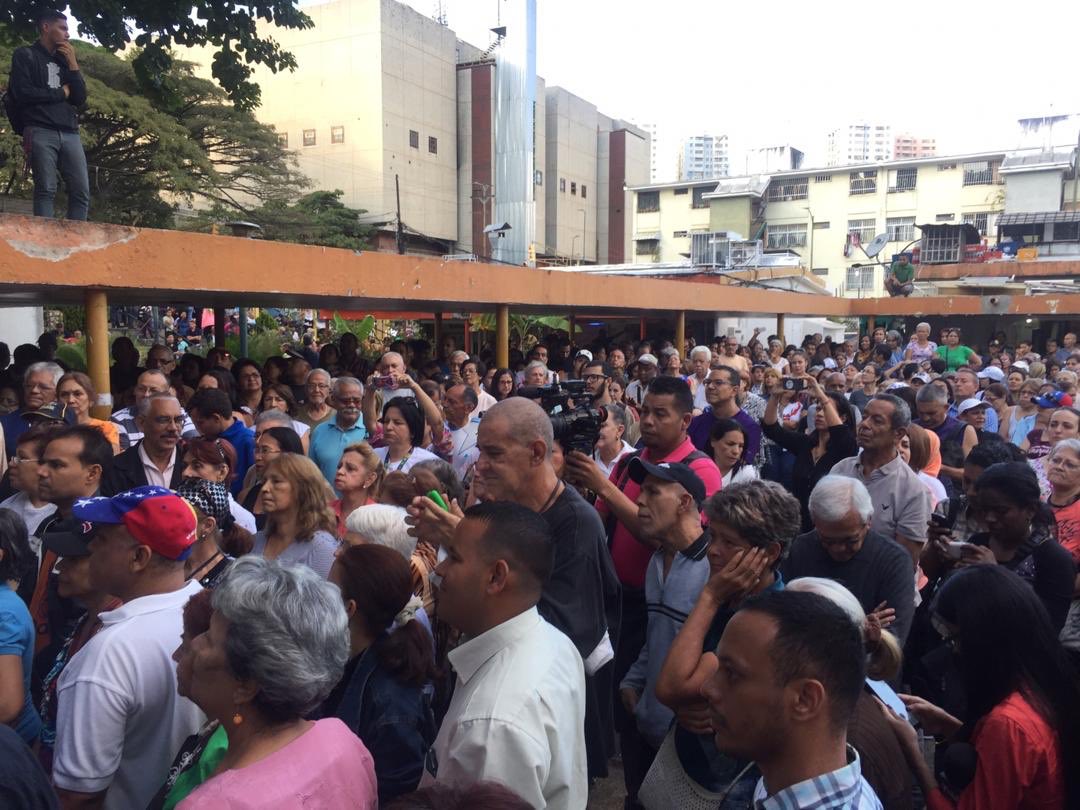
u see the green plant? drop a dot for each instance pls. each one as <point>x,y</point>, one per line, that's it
<point>73,355</point>
<point>525,330</point>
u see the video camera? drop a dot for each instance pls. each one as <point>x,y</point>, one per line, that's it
<point>576,427</point>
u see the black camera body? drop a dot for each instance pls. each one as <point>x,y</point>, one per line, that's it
<point>792,384</point>
<point>576,426</point>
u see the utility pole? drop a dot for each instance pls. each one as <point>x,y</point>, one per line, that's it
<point>400,227</point>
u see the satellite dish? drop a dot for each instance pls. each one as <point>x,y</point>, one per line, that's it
<point>877,244</point>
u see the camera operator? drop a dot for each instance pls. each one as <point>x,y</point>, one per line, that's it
<point>595,376</point>
<point>665,418</point>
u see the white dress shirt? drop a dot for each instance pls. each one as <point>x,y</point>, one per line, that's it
<point>517,715</point>
<point>154,476</point>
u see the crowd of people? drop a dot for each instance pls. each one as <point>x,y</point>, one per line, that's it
<point>834,574</point>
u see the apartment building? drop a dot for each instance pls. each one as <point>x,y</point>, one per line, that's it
<point>907,147</point>
<point>859,142</point>
<point>702,157</point>
<point>386,98</point>
<point>823,215</point>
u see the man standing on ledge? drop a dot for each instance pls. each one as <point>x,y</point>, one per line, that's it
<point>48,87</point>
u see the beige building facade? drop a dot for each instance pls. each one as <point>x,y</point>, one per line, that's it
<point>824,215</point>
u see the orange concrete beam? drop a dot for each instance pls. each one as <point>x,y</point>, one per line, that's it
<point>964,305</point>
<point>45,262</point>
<point>1018,269</point>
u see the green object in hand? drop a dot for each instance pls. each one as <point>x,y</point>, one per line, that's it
<point>435,496</point>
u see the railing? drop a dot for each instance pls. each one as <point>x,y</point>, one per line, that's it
<point>863,185</point>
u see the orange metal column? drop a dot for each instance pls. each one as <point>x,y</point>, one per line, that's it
<point>97,350</point>
<point>502,336</point>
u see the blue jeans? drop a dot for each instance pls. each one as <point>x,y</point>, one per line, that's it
<point>52,150</point>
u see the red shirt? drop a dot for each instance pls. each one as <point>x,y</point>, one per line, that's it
<point>1068,523</point>
<point>1019,763</point>
<point>631,556</point>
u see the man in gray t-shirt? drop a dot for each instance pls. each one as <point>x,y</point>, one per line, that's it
<point>901,501</point>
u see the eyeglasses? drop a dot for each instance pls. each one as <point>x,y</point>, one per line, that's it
<point>350,401</point>
<point>1064,463</point>
<point>15,461</point>
<point>319,386</point>
<point>165,421</point>
<point>594,377</point>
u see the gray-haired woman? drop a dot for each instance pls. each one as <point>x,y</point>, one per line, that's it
<point>277,644</point>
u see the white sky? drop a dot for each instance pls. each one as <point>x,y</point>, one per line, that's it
<point>786,71</point>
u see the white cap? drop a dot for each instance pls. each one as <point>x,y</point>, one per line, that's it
<point>1022,365</point>
<point>648,358</point>
<point>970,403</point>
<point>584,353</point>
<point>991,373</point>
<point>921,377</point>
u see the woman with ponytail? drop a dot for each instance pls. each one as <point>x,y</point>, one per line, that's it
<point>381,696</point>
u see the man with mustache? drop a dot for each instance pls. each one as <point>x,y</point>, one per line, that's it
<point>329,440</point>
<point>151,460</point>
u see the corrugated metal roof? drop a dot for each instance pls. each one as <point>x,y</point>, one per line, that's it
<point>1036,160</point>
<point>1038,218</point>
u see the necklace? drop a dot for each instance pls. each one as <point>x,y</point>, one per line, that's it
<point>1070,502</point>
<point>551,498</point>
<point>194,574</point>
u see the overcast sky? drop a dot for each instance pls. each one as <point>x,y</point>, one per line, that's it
<point>783,71</point>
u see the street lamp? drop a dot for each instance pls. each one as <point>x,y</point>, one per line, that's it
<point>582,212</point>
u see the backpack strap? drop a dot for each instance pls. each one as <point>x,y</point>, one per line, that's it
<point>622,473</point>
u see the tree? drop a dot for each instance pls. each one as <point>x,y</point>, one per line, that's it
<point>525,330</point>
<point>318,218</point>
<point>147,151</point>
<point>231,29</point>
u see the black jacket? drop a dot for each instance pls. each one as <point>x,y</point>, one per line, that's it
<point>37,83</point>
<point>127,473</point>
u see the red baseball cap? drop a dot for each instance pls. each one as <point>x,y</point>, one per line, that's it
<point>155,516</point>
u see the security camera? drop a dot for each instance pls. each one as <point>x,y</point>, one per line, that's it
<point>994,300</point>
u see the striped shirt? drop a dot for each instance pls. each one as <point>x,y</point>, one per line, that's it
<point>843,789</point>
<point>129,431</point>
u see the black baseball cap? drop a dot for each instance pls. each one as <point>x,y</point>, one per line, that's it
<point>668,471</point>
<point>68,537</point>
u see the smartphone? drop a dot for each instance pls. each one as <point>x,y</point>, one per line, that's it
<point>385,382</point>
<point>793,384</point>
<point>956,549</point>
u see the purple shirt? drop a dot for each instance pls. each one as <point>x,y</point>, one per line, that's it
<point>700,426</point>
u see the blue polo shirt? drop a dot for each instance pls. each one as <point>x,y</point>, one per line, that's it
<point>328,441</point>
<point>242,438</point>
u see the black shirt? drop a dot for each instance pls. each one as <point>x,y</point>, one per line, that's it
<point>881,571</point>
<point>23,785</point>
<point>806,472</point>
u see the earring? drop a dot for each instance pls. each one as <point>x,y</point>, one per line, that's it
<point>237,718</point>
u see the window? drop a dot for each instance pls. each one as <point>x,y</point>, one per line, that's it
<point>980,172</point>
<point>680,191</point>
<point>283,140</point>
<point>860,278</point>
<point>648,202</point>
<point>979,220</point>
<point>902,179</point>
<point>864,228</point>
<point>944,217</point>
<point>337,134</point>
<point>821,226</point>
<point>309,137</point>
<point>562,184</point>
<point>822,178</point>
<point>1066,231</point>
<point>414,139</point>
<point>679,234</point>
<point>787,236</point>
<point>864,182</point>
<point>820,271</point>
<point>901,229</point>
<point>699,200</point>
<point>781,190</point>
<point>433,145</point>
<point>647,247</point>
<point>573,188</point>
<point>583,190</point>
<point>946,167</point>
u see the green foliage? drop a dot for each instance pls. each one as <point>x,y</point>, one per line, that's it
<point>182,140</point>
<point>73,355</point>
<point>265,322</point>
<point>360,329</point>
<point>261,345</point>
<point>74,318</point>
<point>237,33</point>
<point>318,218</point>
<point>525,330</point>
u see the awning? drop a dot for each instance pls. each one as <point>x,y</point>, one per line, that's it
<point>647,237</point>
<point>1038,218</point>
